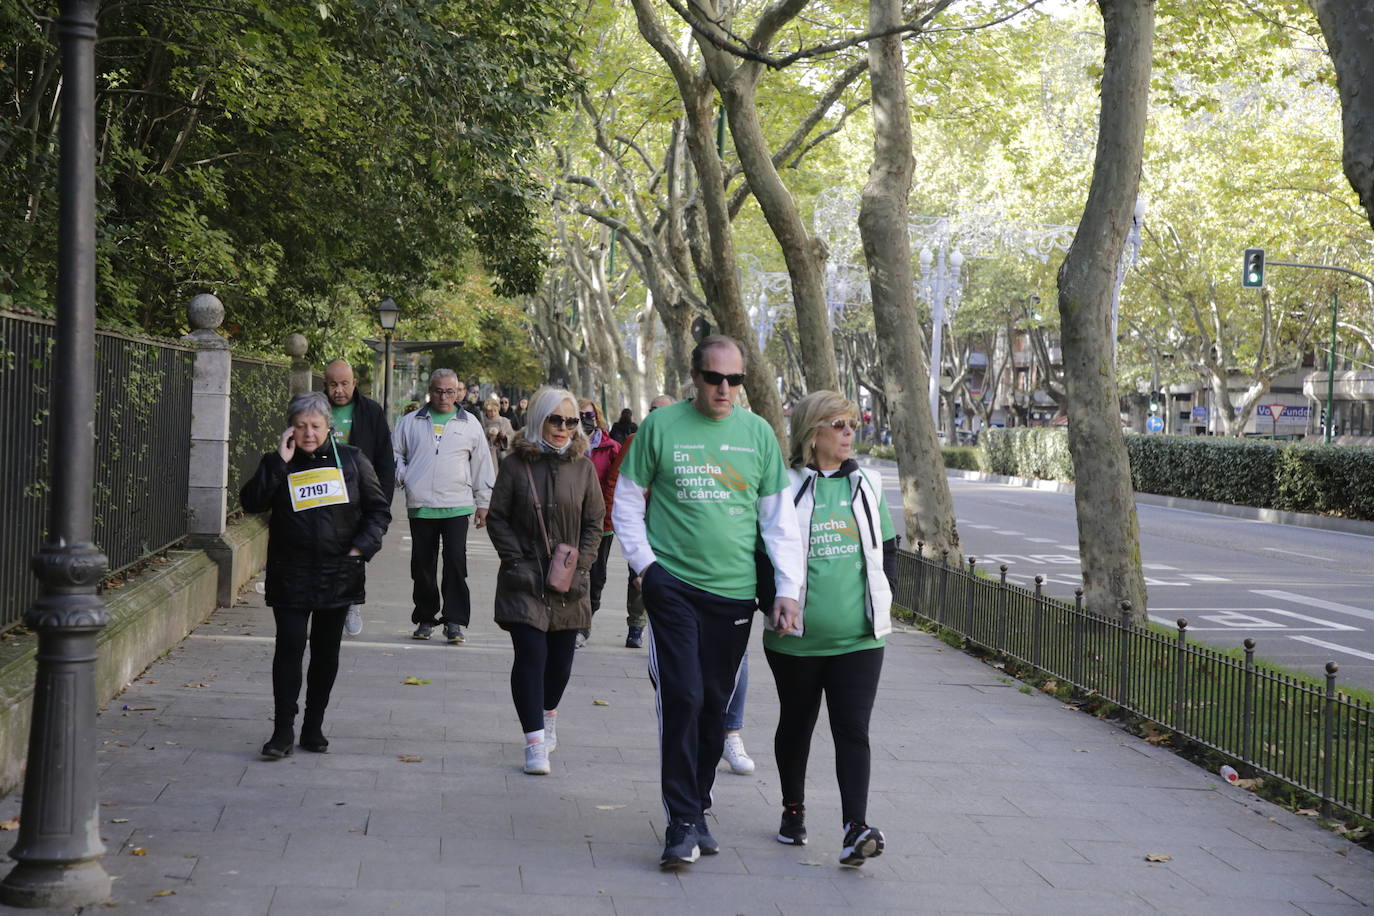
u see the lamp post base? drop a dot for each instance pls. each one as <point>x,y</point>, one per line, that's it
<point>34,885</point>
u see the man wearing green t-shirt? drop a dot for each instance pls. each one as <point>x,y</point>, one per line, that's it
<point>719,483</point>
<point>444,463</point>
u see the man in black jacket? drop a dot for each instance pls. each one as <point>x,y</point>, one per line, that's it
<point>360,422</point>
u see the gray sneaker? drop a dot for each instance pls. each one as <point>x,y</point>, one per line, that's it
<point>353,623</point>
<point>453,633</point>
<point>423,631</point>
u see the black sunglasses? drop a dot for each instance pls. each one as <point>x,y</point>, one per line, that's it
<point>555,420</point>
<point>715,378</point>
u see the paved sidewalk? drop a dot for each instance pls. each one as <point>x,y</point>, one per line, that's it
<point>992,800</point>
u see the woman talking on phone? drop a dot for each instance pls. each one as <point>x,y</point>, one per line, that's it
<point>836,648</point>
<point>328,515</point>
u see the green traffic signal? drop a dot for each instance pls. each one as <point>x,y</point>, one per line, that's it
<point>1252,269</point>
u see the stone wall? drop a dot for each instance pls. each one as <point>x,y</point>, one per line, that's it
<point>150,614</point>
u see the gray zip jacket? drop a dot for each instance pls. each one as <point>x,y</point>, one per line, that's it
<point>454,472</point>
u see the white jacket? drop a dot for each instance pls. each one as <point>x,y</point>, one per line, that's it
<point>865,501</point>
<point>454,472</point>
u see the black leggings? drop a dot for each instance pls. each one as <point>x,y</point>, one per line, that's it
<point>603,557</point>
<point>850,683</point>
<point>543,663</point>
<point>325,635</point>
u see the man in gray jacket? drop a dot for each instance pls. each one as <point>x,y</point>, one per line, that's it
<point>443,461</point>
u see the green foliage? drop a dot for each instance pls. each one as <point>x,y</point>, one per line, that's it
<point>297,160</point>
<point>1330,479</point>
<point>1211,468</point>
<point>1289,476</point>
<point>1026,451</point>
<point>962,457</point>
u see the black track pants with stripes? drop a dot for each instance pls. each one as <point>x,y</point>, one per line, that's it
<point>696,642</point>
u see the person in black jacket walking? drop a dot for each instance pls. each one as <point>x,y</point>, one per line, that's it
<point>328,516</point>
<point>360,422</point>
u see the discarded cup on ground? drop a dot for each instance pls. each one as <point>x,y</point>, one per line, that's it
<point>1229,774</point>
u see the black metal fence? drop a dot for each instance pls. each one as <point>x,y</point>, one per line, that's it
<point>1311,736</point>
<point>143,430</point>
<point>258,395</point>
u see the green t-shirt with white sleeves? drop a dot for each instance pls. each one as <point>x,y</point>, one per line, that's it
<point>835,620</point>
<point>705,477</point>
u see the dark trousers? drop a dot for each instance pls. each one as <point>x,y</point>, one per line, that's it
<point>426,536</point>
<point>325,634</point>
<point>696,642</point>
<point>603,556</point>
<point>538,676</point>
<point>850,684</point>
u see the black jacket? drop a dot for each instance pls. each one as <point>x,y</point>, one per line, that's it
<point>372,437</point>
<point>308,565</point>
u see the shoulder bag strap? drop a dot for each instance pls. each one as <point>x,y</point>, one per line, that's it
<point>538,508</point>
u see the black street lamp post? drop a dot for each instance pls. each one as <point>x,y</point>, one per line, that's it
<point>387,313</point>
<point>59,848</point>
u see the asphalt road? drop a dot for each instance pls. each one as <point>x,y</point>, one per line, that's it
<point>1305,596</point>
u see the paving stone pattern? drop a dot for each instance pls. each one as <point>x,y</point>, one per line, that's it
<point>992,800</point>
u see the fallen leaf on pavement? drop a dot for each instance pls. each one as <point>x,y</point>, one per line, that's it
<point>608,807</point>
<point>138,851</point>
<point>194,685</point>
<point>1250,783</point>
<point>119,820</point>
<point>415,681</point>
<point>10,824</point>
<point>600,703</point>
<point>1158,857</point>
<point>164,893</point>
<point>410,758</point>
<point>1308,812</point>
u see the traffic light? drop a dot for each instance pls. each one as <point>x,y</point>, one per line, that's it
<point>1252,270</point>
<point>1154,403</point>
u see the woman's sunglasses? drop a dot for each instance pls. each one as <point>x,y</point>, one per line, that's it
<point>555,420</point>
<point>715,378</point>
<point>841,424</point>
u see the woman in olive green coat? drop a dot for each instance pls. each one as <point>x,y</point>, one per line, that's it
<point>543,624</point>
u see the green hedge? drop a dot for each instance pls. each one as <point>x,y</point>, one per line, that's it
<point>1290,476</point>
<point>962,457</point>
<point>1027,451</point>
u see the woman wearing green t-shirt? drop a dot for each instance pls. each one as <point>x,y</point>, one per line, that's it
<point>837,648</point>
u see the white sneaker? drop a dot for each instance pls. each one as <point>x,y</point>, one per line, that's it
<point>736,756</point>
<point>353,623</point>
<point>550,733</point>
<point>537,759</point>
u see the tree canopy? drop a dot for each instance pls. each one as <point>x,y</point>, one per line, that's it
<point>297,160</point>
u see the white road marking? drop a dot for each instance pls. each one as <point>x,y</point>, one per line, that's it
<point>1310,640</point>
<point>1010,534</point>
<point>1315,602</point>
<point>1203,577</point>
<point>1151,580</point>
<point>1310,556</point>
<point>1158,566</point>
<point>1236,619</point>
<point>1071,548</point>
<point>1041,540</point>
<point>980,527</point>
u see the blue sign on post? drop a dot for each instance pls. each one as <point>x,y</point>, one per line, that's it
<point>1154,425</point>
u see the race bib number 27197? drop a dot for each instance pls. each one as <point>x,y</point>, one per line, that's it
<point>315,488</point>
